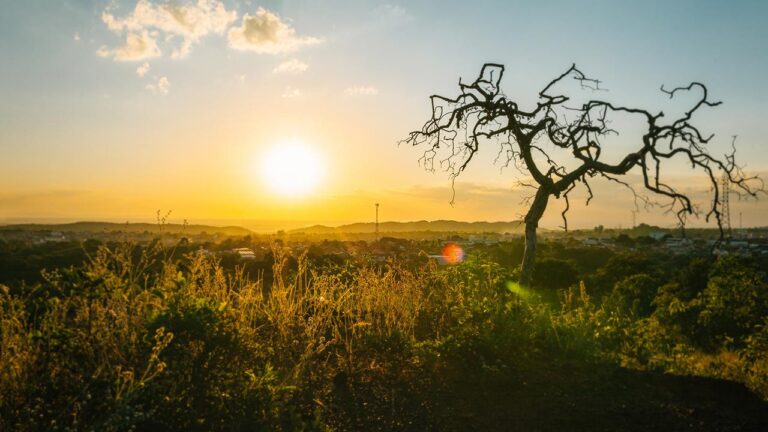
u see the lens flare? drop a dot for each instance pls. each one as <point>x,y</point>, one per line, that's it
<point>453,253</point>
<point>517,289</point>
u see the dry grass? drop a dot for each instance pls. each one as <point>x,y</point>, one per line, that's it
<point>135,340</point>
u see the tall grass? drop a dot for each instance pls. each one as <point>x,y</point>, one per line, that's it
<point>136,340</point>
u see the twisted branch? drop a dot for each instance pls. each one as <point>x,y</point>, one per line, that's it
<point>482,113</point>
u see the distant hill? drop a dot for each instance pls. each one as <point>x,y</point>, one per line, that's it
<point>129,228</point>
<point>354,228</point>
<point>418,226</point>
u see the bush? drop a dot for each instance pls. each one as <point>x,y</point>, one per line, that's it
<point>633,295</point>
<point>554,274</point>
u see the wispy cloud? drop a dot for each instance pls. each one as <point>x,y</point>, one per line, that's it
<point>291,92</point>
<point>163,86</point>
<point>293,66</point>
<point>190,22</point>
<point>361,91</point>
<point>13,199</point>
<point>392,11</point>
<point>143,69</point>
<point>267,33</point>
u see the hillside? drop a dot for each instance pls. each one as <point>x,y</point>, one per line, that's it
<point>79,227</point>
<point>417,226</point>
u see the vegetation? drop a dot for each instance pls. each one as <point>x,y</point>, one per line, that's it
<point>146,338</point>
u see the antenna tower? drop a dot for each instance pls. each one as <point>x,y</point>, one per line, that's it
<point>725,206</point>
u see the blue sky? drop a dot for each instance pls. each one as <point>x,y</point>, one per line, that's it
<point>82,135</point>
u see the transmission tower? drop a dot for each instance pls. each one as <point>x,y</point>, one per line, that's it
<point>725,206</point>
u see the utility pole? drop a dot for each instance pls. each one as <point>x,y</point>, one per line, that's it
<point>377,221</point>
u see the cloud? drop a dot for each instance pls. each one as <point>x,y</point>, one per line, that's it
<point>162,87</point>
<point>190,22</point>
<point>137,46</point>
<point>392,11</point>
<point>267,33</point>
<point>293,66</point>
<point>290,93</point>
<point>76,37</point>
<point>361,91</point>
<point>143,69</point>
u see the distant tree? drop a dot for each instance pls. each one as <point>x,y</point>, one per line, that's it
<point>537,140</point>
<point>625,240</point>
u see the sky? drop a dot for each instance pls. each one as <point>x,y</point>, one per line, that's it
<point>112,110</point>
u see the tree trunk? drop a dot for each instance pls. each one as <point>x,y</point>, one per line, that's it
<point>531,224</point>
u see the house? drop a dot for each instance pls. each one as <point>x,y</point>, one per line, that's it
<point>52,237</point>
<point>245,253</point>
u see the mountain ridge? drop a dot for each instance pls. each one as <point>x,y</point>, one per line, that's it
<point>91,226</point>
<point>441,225</point>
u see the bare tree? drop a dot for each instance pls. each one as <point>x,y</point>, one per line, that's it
<point>529,139</point>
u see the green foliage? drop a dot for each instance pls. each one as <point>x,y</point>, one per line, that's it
<point>141,339</point>
<point>633,296</point>
<point>755,358</point>
<point>734,302</point>
<point>620,267</point>
<point>554,274</point>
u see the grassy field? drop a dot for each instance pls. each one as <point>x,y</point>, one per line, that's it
<point>135,340</point>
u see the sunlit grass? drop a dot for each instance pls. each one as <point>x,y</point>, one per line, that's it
<point>135,339</point>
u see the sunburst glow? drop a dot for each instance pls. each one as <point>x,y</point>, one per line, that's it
<point>292,169</point>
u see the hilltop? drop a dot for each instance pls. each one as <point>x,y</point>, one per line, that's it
<point>416,226</point>
<point>80,227</point>
<point>359,228</point>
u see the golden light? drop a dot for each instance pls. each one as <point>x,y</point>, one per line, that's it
<point>292,169</point>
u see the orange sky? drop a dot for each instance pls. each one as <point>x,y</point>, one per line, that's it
<point>114,111</point>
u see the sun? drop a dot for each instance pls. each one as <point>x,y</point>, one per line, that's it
<point>292,168</point>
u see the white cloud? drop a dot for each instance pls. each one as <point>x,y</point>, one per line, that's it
<point>293,66</point>
<point>267,33</point>
<point>137,46</point>
<point>361,91</point>
<point>291,93</point>
<point>76,37</point>
<point>190,22</point>
<point>143,69</point>
<point>162,87</point>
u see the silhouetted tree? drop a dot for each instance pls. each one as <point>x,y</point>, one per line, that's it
<point>532,138</point>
